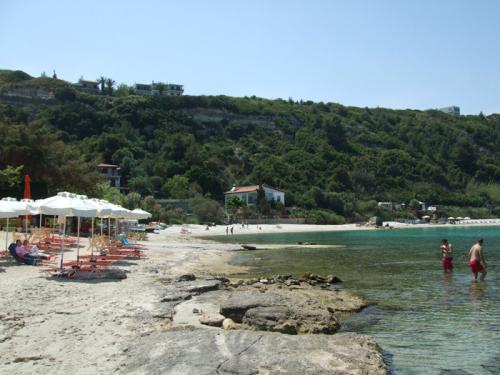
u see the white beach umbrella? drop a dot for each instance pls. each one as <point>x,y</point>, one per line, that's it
<point>10,207</point>
<point>117,212</point>
<point>141,214</point>
<point>30,206</point>
<point>451,218</point>
<point>66,204</point>
<point>102,211</point>
<point>7,211</point>
<point>466,218</point>
<point>459,218</point>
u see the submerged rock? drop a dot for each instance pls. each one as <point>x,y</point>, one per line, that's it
<point>493,365</point>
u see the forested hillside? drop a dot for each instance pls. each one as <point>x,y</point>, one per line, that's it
<point>325,156</point>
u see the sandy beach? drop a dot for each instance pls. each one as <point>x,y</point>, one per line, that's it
<point>220,230</point>
<point>57,326</point>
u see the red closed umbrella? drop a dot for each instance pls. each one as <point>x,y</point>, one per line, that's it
<point>27,195</point>
<point>27,187</point>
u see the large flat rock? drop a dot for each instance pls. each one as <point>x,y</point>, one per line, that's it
<point>196,351</point>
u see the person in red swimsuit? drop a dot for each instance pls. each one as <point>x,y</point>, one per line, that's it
<point>476,259</point>
<point>446,255</point>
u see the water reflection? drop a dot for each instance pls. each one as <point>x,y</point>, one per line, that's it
<point>477,291</point>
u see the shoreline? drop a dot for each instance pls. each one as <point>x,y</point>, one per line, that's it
<point>200,231</point>
<point>53,326</point>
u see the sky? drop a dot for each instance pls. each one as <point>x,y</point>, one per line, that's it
<point>368,53</point>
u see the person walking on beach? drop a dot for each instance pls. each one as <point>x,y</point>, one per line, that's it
<point>476,260</point>
<point>232,229</point>
<point>446,255</point>
<point>227,230</point>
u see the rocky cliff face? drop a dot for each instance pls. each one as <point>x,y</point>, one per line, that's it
<point>268,122</point>
<point>28,92</point>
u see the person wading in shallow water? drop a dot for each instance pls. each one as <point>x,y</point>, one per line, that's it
<point>446,255</point>
<point>476,259</point>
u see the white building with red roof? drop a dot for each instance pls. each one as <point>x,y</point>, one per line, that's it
<point>249,194</point>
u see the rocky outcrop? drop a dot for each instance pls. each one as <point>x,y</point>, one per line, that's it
<point>280,310</point>
<point>270,325</point>
<point>188,350</point>
<point>278,304</point>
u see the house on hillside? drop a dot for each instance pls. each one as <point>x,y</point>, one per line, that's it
<point>451,110</point>
<point>112,173</point>
<point>159,88</point>
<point>249,194</point>
<point>90,87</point>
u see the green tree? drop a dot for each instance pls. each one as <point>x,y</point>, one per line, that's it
<point>234,206</point>
<point>105,191</point>
<point>141,185</point>
<point>102,82</point>
<point>132,200</point>
<point>261,202</point>
<point>160,87</point>
<point>177,187</point>
<point>122,90</point>
<point>10,176</point>
<point>110,83</point>
<point>207,210</point>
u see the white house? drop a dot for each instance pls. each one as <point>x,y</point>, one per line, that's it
<point>159,88</point>
<point>112,173</point>
<point>249,194</point>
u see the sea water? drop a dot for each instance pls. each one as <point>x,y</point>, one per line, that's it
<point>428,322</point>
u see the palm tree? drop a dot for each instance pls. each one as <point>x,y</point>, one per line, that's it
<point>160,86</point>
<point>110,83</point>
<point>102,82</point>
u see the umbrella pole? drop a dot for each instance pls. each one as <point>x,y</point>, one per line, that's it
<point>92,240</point>
<point>40,224</point>
<point>7,234</point>
<point>116,227</point>
<point>54,225</point>
<point>109,230</point>
<point>78,241</point>
<point>62,242</point>
<point>101,228</point>
<point>26,224</point>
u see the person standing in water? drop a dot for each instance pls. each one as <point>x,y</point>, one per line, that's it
<point>446,255</point>
<point>476,260</point>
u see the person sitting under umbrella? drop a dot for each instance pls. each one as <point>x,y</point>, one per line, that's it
<point>34,251</point>
<point>22,251</point>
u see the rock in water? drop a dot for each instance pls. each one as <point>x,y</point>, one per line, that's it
<point>330,279</point>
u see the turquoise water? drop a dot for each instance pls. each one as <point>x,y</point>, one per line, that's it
<point>427,321</point>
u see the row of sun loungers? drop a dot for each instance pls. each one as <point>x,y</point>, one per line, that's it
<point>95,265</point>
